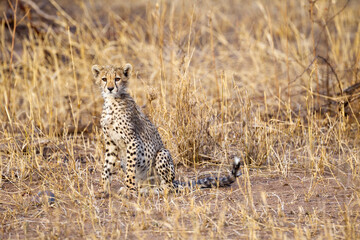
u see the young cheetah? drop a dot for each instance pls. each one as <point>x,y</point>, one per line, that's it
<point>130,136</point>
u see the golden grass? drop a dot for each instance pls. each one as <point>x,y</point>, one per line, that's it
<point>219,78</point>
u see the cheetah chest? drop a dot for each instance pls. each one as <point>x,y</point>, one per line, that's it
<point>111,128</point>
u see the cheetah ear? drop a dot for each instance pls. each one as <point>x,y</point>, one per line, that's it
<point>95,70</point>
<point>127,70</point>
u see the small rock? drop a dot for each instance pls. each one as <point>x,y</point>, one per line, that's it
<point>42,196</point>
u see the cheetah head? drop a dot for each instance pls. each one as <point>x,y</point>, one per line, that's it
<point>112,80</point>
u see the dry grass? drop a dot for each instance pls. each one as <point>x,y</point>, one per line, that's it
<point>219,78</point>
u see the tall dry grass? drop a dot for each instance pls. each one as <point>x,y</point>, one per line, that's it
<point>268,81</point>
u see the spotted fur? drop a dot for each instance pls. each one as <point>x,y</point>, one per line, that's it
<point>130,136</point>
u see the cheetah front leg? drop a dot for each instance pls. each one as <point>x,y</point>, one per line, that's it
<point>132,157</point>
<point>111,153</point>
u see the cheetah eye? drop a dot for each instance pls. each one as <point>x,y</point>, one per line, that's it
<point>104,79</point>
<point>117,79</point>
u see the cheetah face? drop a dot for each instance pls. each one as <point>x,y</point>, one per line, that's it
<point>112,80</point>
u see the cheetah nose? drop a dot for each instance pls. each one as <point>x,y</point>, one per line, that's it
<point>110,88</point>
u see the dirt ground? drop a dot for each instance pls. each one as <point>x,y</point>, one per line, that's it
<point>291,204</point>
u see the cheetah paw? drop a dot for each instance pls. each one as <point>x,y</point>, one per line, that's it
<point>102,194</point>
<point>127,193</point>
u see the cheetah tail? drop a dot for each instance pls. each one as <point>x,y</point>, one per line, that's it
<point>210,182</point>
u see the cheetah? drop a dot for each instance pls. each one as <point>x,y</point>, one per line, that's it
<point>131,137</point>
